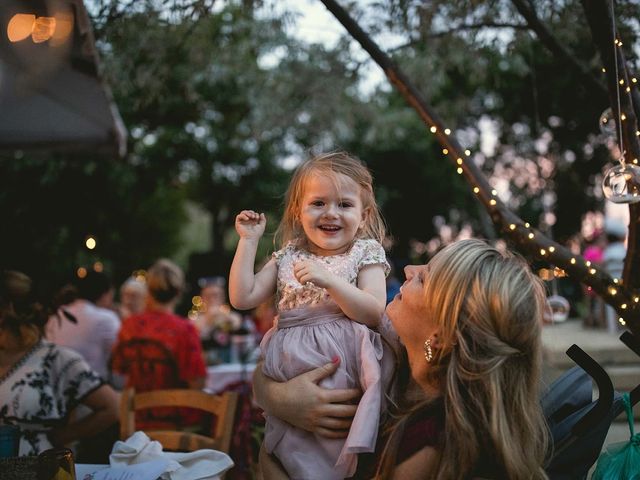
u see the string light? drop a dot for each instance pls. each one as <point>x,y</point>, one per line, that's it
<point>447,131</point>
<point>572,261</point>
<point>433,129</point>
<point>615,280</point>
<point>459,162</point>
<point>612,291</point>
<point>552,249</point>
<point>623,306</point>
<point>445,151</point>
<point>531,235</point>
<point>592,271</point>
<point>621,320</point>
<point>636,299</point>
<point>492,202</point>
<point>476,190</point>
<point>494,192</point>
<point>459,170</point>
<point>527,224</point>
<point>467,152</point>
<point>512,226</point>
<point>543,251</point>
<point>587,263</point>
<point>90,243</point>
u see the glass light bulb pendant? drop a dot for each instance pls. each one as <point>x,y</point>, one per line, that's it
<point>608,123</point>
<point>621,184</point>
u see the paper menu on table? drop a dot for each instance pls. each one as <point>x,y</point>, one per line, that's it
<point>140,471</point>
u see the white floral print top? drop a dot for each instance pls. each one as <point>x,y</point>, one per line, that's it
<point>291,294</point>
<point>41,390</point>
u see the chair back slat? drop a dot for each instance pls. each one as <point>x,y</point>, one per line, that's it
<point>223,406</point>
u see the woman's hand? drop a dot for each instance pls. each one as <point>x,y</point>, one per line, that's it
<point>311,271</point>
<point>304,404</point>
<point>250,225</point>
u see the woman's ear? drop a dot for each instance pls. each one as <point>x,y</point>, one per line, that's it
<point>436,340</point>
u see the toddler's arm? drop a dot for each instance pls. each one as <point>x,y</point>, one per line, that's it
<point>363,303</point>
<point>248,289</point>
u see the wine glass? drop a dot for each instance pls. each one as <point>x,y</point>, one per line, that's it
<point>621,184</point>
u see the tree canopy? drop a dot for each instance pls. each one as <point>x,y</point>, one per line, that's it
<point>220,99</point>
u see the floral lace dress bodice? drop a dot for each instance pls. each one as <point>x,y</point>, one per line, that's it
<point>292,294</point>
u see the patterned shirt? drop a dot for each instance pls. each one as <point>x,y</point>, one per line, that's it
<point>291,294</point>
<point>40,391</point>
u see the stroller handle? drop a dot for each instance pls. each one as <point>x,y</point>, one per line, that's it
<point>605,390</point>
<point>630,340</point>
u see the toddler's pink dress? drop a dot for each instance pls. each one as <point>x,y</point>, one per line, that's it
<point>311,330</point>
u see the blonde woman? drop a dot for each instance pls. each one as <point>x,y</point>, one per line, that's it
<point>470,323</point>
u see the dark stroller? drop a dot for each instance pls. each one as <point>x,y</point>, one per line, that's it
<point>578,424</point>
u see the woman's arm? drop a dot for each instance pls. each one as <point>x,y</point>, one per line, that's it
<point>363,303</point>
<point>247,289</point>
<point>104,405</point>
<point>304,404</point>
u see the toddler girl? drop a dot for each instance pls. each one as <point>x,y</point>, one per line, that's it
<point>329,279</point>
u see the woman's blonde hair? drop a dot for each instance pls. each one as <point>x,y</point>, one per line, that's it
<point>165,281</point>
<point>488,307</point>
<point>330,164</point>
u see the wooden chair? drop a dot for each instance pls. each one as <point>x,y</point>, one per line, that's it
<point>223,406</point>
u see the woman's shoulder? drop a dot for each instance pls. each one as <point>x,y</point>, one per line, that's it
<point>424,429</point>
<point>63,360</point>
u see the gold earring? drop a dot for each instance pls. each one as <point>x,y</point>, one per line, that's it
<point>428,352</point>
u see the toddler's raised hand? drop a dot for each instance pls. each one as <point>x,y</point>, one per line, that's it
<point>250,225</point>
<point>311,271</point>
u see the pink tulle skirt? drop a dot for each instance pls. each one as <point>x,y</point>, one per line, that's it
<point>302,340</point>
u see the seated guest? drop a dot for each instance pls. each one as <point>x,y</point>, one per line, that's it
<point>91,327</point>
<point>133,297</point>
<point>470,325</point>
<point>166,331</point>
<point>216,314</point>
<point>40,382</point>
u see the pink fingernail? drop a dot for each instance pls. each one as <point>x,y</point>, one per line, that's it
<point>335,359</point>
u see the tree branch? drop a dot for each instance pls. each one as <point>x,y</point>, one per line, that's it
<point>528,240</point>
<point>551,43</point>
<point>601,23</point>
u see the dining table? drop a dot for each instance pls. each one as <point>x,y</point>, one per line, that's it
<point>221,376</point>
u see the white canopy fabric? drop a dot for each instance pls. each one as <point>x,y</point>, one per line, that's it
<point>51,93</point>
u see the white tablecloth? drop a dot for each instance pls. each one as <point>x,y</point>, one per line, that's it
<point>220,376</point>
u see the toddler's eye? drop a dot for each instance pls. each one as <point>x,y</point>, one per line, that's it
<point>346,204</point>
<point>317,203</point>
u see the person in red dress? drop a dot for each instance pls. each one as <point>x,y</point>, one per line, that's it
<point>171,333</point>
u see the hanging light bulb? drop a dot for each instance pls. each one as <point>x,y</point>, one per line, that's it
<point>608,123</point>
<point>621,184</point>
